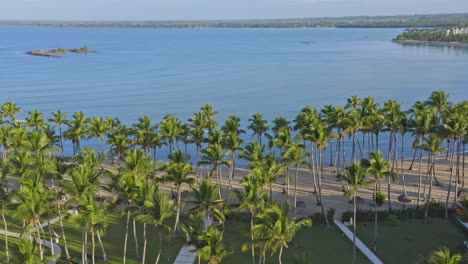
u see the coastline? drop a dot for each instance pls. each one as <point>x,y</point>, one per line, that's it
<point>431,43</point>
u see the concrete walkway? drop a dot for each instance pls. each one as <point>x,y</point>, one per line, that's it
<point>186,254</point>
<point>363,248</point>
<point>57,248</point>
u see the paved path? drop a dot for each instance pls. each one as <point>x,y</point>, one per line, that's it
<point>186,254</point>
<point>363,248</point>
<point>57,248</point>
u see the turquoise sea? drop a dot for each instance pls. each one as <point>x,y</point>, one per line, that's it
<point>239,71</point>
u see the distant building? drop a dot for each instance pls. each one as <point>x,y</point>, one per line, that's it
<point>457,30</point>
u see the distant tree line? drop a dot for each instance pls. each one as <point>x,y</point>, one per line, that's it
<point>437,20</point>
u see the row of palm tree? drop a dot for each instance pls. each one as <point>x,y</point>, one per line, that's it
<point>30,148</point>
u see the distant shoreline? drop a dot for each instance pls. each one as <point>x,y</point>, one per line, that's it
<point>397,21</point>
<point>432,43</point>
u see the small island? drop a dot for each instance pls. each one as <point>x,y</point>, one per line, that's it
<point>455,36</point>
<point>58,52</point>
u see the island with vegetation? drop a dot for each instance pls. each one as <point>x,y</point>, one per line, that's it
<point>439,36</point>
<point>58,52</point>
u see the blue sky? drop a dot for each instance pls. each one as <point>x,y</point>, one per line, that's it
<point>216,9</point>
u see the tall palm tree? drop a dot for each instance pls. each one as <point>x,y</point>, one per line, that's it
<point>35,119</point>
<point>259,126</point>
<point>432,144</point>
<point>9,109</point>
<point>215,156</point>
<point>276,230</point>
<point>179,173</point>
<point>233,143</point>
<point>295,155</point>
<point>5,200</point>
<point>158,208</point>
<point>119,142</point>
<point>206,202</point>
<point>355,176</point>
<point>97,128</point>
<point>209,114</point>
<point>77,130</point>
<point>252,199</point>
<point>379,167</point>
<point>59,119</point>
<point>171,128</point>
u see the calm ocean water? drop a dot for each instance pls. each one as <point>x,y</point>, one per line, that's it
<point>239,71</point>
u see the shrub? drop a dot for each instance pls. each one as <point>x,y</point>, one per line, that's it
<point>393,219</point>
<point>380,198</point>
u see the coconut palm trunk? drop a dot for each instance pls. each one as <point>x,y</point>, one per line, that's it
<point>375,215</point>
<point>145,240</point>
<point>313,172</point>
<point>93,246</point>
<point>280,254</point>
<point>51,238</point>
<point>160,247</point>
<point>320,189</point>
<point>39,240</point>
<point>450,182</point>
<point>7,252</point>
<point>252,248</point>
<point>457,171</point>
<point>126,237</point>
<point>104,255</point>
<point>135,239</point>
<point>176,225</point>
<point>354,228</point>
<point>420,177</point>
<point>295,188</point>
<point>428,202</point>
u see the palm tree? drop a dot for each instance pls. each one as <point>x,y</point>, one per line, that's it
<point>130,183</point>
<point>321,136</point>
<point>179,173</point>
<point>157,209</point>
<point>259,126</point>
<point>171,128</point>
<point>32,205</point>
<point>443,256</point>
<point>432,144</point>
<point>355,176</point>
<point>295,155</point>
<point>35,119</point>
<point>118,140</point>
<point>77,129</point>
<point>144,132</point>
<point>233,143</point>
<point>439,100</point>
<point>4,201</point>
<point>208,114</point>
<point>97,128</point>
<point>9,109</point>
<point>215,156</point>
<point>92,216</point>
<point>59,119</point>
<point>29,253</point>
<point>213,250</point>
<point>379,167</point>
<point>276,230</point>
<point>252,199</point>
<point>205,201</point>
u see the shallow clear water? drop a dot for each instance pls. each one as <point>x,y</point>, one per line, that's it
<point>239,71</point>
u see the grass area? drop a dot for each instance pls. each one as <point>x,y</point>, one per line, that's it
<point>411,241</point>
<point>113,242</point>
<point>320,245</point>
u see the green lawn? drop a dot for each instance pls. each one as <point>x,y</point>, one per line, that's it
<point>411,241</point>
<point>320,244</point>
<point>113,243</point>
